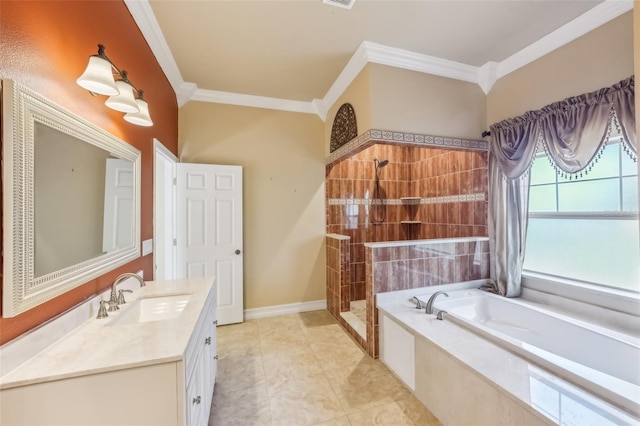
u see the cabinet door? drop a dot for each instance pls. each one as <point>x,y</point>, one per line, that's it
<point>214,354</point>
<point>196,399</point>
<point>201,365</point>
<point>205,363</point>
<point>209,358</point>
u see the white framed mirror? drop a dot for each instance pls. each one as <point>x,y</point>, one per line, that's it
<point>71,200</point>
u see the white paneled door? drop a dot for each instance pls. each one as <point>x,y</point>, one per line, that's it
<point>209,234</point>
<point>118,205</point>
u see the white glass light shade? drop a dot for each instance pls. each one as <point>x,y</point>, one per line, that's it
<point>124,101</point>
<point>142,117</point>
<point>98,77</point>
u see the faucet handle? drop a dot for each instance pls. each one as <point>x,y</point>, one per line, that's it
<point>102,311</point>
<point>121,300</point>
<point>418,302</point>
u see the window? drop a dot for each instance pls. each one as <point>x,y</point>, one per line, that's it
<point>586,229</point>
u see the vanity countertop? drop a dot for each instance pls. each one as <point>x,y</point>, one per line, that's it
<point>97,346</point>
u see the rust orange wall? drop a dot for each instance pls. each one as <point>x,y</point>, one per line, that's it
<point>45,45</point>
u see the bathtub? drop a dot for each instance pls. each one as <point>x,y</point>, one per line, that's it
<point>603,362</point>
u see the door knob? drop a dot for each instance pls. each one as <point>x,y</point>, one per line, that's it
<point>238,251</point>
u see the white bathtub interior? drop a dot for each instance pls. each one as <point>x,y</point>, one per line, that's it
<point>600,360</point>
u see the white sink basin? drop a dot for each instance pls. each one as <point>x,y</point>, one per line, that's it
<point>152,309</point>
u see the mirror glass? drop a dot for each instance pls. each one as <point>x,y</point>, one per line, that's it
<point>74,220</point>
<point>71,200</point>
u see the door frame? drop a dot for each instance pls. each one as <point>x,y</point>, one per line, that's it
<point>161,153</point>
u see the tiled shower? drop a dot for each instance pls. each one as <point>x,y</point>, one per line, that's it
<point>427,193</point>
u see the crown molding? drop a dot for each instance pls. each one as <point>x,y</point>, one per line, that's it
<point>148,24</point>
<point>357,62</point>
<point>240,99</point>
<point>487,75</point>
<point>369,52</point>
<point>588,21</point>
<point>185,92</point>
<point>405,59</point>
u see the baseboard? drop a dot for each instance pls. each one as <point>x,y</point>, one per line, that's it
<point>291,308</point>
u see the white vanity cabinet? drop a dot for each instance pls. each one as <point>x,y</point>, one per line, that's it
<point>154,373</point>
<point>200,367</point>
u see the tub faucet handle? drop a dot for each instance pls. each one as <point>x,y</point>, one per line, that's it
<point>418,302</point>
<point>439,316</point>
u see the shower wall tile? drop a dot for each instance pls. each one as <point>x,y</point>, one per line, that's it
<point>382,254</point>
<point>420,265</point>
<point>417,269</point>
<point>338,282</point>
<point>412,172</point>
<point>337,272</point>
<point>432,274</point>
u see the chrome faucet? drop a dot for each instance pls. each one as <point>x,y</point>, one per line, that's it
<point>429,308</point>
<point>118,299</point>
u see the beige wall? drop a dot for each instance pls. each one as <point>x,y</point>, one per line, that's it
<point>358,94</point>
<point>283,159</point>
<point>598,59</point>
<point>415,102</point>
<point>391,98</point>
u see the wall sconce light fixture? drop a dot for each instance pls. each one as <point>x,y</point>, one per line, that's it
<point>99,79</point>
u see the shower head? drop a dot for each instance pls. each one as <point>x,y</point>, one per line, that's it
<point>380,164</point>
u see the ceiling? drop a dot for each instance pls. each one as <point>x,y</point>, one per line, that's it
<point>299,54</point>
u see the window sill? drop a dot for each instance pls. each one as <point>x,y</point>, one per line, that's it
<point>627,302</point>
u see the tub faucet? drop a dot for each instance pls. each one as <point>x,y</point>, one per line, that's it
<point>429,308</point>
<point>114,301</point>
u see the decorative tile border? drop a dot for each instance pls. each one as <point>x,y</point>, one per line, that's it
<point>387,136</point>
<point>461,198</point>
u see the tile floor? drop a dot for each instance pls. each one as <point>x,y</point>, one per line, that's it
<point>303,369</point>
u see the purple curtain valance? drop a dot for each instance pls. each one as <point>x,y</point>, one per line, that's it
<point>573,130</point>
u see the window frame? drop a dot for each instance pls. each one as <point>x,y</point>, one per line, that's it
<point>625,301</point>
<point>589,292</point>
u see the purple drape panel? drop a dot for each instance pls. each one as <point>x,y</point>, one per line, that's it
<point>514,143</point>
<point>508,205</point>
